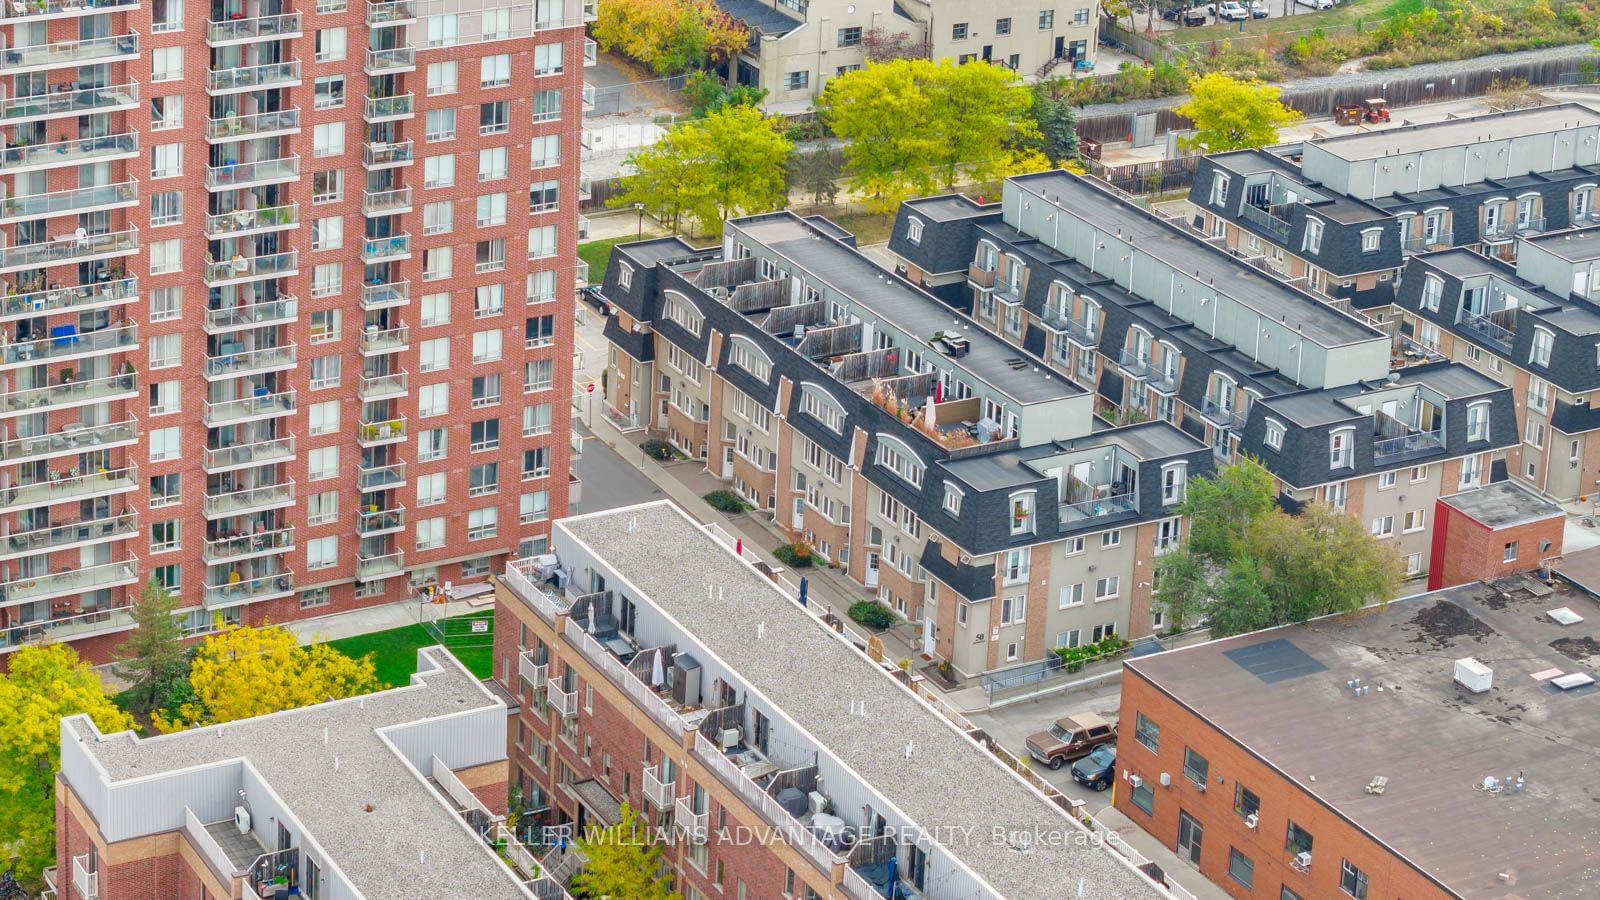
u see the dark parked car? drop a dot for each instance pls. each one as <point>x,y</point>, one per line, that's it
<point>1070,738</point>
<point>1097,769</point>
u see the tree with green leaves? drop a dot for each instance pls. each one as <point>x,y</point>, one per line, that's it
<point>670,36</point>
<point>1057,124</point>
<point>817,174</point>
<point>1246,564</point>
<point>153,657</point>
<point>731,163</point>
<point>44,684</point>
<point>707,94</point>
<point>1231,114</point>
<point>624,861</point>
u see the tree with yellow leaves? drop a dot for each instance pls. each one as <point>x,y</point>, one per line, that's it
<point>670,36</point>
<point>242,672</point>
<point>44,685</point>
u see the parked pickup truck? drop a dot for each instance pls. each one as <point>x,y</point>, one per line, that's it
<point>1070,738</point>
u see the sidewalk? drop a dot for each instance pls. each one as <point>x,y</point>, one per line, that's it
<point>686,481</point>
<point>398,614</point>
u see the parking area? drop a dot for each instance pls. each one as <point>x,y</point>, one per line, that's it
<point>1274,9</point>
<point>1010,726</point>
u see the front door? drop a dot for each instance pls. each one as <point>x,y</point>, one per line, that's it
<point>872,569</point>
<point>799,518</point>
<point>929,634</point>
<point>988,52</point>
<point>1061,47</point>
<point>727,462</point>
<point>1189,836</point>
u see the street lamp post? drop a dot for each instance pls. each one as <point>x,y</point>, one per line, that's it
<point>639,208</point>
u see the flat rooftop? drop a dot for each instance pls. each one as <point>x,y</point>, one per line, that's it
<point>1458,132</point>
<point>1255,289</point>
<point>1282,695</point>
<point>948,786</point>
<point>1333,205</point>
<point>1575,245</point>
<point>382,852</point>
<point>919,314</point>
<point>950,207</point>
<point>1503,504</point>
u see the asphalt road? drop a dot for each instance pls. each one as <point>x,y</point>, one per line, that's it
<point>609,481</point>
<point>1011,725</point>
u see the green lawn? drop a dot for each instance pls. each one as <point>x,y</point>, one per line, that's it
<point>395,651</point>
<point>598,255</point>
<point>1304,19</point>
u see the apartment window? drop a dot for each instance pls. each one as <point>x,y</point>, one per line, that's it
<point>1013,609</point>
<point>797,81</point>
<point>536,419</point>
<point>322,508</point>
<point>1080,16</point>
<point>327,187</point>
<point>850,37</point>
<point>166,208</point>
<point>1047,19</point>
<point>1274,434</point>
<point>1111,539</point>
<point>164,351</point>
<point>1241,868</point>
<point>1147,732</point>
<point>435,309</point>
<point>166,304</point>
<point>327,279</point>
<point>327,233</point>
<point>315,597</point>
<point>483,478</point>
<point>485,390</point>
<point>165,397</point>
<point>326,372</point>
<point>1107,588</point>
<point>490,255</point>
<point>1068,596</point>
<point>1341,450</point>
<point>495,71</point>
<point>494,118</point>
<point>1195,767</point>
<point>322,553</point>
<point>535,463</point>
<point>1371,239</point>
<point>1538,394</point>
<point>952,499</point>
<point>1312,242</point>
<point>1510,553</point>
<point>1016,566</point>
<point>1543,341</point>
<point>166,112</point>
<point>1002,26</point>
<point>165,490</point>
<point>169,577</point>
<point>1478,421</point>
<point>166,256</point>
<point>165,444</point>
<point>544,196</point>
<point>437,264</point>
<point>1144,797</point>
<point>485,435</point>
<point>330,44</point>
<point>1413,564</point>
<point>1245,802</point>
<point>1432,291</point>
<point>166,16</point>
<point>433,400</point>
<point>541,242</point>
<point>486,345</point>
<point>1386,480</point>
<point>442,78</point>
<point>430,533</point>
<point>534,506</point>
<point>166,160</point>
<point>329,92</point>
<point>483,523</point>
<point>1352,880</point>
<point>544,151</point>
<point>325,417</point>
<point>325,326</point>
<point>1173,478</point>
<point>166,64</point>
<point>1219,189</point>
<point>547,59</point>
<point>323,463</point>
<point>439,171</point>
<point>1383,527</point>
<point>546,105</point>
<point>958,31</point>
<point>538,375</point>
<point>1336,494</point>
<point>327,140</point>
<point>489,300</point>
<point>440,124</point>
<point>438,217</point>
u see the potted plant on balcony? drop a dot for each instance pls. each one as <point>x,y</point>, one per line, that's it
<point>61,143</point>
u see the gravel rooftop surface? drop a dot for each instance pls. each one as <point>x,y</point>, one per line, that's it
<point>949,784</point>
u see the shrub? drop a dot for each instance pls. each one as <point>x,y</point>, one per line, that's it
<point>1074,658</point>
<point>656,448</point>
<point>796,555</point>
<point>727,501</point>
<point>872,614</point>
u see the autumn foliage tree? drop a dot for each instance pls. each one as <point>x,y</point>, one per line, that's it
<point>623,861</point>
<point>1231,114</point>
<point>242,672</point>
<point>670,36</point>
<point>911,127</point>
<point>44,684</point>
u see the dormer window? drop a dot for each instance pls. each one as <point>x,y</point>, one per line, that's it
<point>987,256</point>
<point>624,276</point>
<point>1274,436</point>
<point>1432,290</point>
<point>1312,242</point>
<point>1478,421</point>
<point>914,229</point>
<point>1022,513</point>
<point>1543,341</point>
<point>898,458</point>
<point>1173,478</point>
<point>1219,189</point>
<point>1371,239</point>
<point>749,357</point>
<point>1341,448</point>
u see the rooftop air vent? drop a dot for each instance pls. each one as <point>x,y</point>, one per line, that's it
<point>1573,681</point>
<point>956,347</point>
<point>1473,675</point>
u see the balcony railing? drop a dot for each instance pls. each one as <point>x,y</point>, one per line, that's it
<point>1406,444</point>
<point>56,299</point>
<point>1530,225</point>
<point>71,200</point>
<point>34,10</point>
<point>379,387</point>
<point>1099,508</point>
<point>384,108</point>
<point>1133,363</point>
<point>240,268</point>
<point>581,273</point>
<point>383,296</point>
<point>797,835</point>
<point>372,568</point>
<point>1423,243</point>
<point>253,315</point>
<point>380,521</point>
<point>385,155</point>
<point>519,576</point>
<point>388,431</point>
<point>1489,330</point>
<point>252,221</point>
<point>391,60</point>
<point>71,393</point>
<point>532,672</point>
<point>1496,231</point>
<point>259,453</point>
<point>69,153</point>
<point>74,438</point>
<point>219,596</point>
<point>80,102</point>
<point>84,881</point>
<point>394,12</point>
<point>385,203</point>
<point>248,174</point>
<point>67,534</point>
<point>563,701</point>
<point>263,406</point>
<point>71,346</point>
<point>253,78</point>
<point>246,546</point>
<point>31,588</point>
<point>60,54</point>
<point>64,486</point>
<point>1263,219</point>
<point>1219,415</point>
<point>236,31</point>
<point>65,629</point>
<point>234,503</point>
<point>659,793</point>
<point>66,249</point>
<point>238,128</point>
<point>1163,379</point>
<point>591,51</point>
<point>389,341</point>
<point>244,362</point>
<point>380,478</point>
<point>379,249</point>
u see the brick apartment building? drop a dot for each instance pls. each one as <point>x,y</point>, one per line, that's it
<point>385,795</point>
<point>1426,749</point>
<point>286,302</point>
<point>655,667</point>
<point>1493,531</point>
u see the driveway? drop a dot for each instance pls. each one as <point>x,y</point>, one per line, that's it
<point>1010,726</point>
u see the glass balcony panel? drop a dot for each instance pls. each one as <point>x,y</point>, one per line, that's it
<point>381,521</point>
<point>392,59</point>
<point>380,432</point>
<point>383,203</point>
<point>227,365</point>
<point>233,503</point>
<point>70,393</point>
<point>253,78</point>
<point>72,200</point>
<point>55,299</point>
<point>372,568</point>
<point>250,590</point>
<point>253,315</point>
<point>74,581</point>
<point>247,221</point>
<point>245,546</point>
<point>235,128</point>
<point>67,249</point>
<point>59,54</point>
<point>397,107</point>
<point>65,485</point>
<point>378,155</point>
<point>395,12</point>
<point>264,171</point>
<point>33,10</point>
<point>383,296</point>
<point>259,453</point>
<point>67,534</point>
<point>240,268</point>
<point>72,438</point>
<point>56,104</point>
<point>378,387</point>
<point>73,346</point>
<point>390,341</point>
<point>69,153</point>
<point>262,406</point>
<point>234,31</point>
<point>381,478</point>
<point>394,247</point>
<point>66,629</point>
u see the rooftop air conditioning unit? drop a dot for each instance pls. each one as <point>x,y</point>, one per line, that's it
<point>728,738</point>
<point>1473,675</point>
<point>241,819</point>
